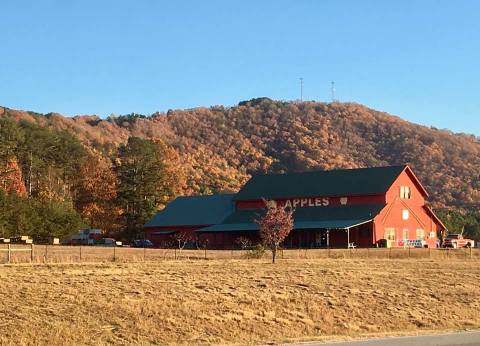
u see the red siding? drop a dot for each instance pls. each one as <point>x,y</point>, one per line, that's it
<point>165,239</point>
<point>310,201</point>
<point>418,218</point>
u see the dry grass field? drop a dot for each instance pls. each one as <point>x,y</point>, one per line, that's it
<point>79,254</point>
<point>234,301</point>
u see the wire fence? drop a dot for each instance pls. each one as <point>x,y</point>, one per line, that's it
<point>16,253</point>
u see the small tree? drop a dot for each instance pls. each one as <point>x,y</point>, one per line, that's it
<point>243,243</point>
<point>275,226</point>
<point>182,238</point>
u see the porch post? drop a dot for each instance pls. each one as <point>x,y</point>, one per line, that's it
<point>348,237</point>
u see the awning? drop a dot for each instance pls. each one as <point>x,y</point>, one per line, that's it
<point>330,224</point>
<point>327,217</point>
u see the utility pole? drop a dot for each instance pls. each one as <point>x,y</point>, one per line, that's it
<point>301,89</point>
<point>333,91</point>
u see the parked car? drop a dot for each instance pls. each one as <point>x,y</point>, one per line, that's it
<point>142,243</point>
<point>107,242</point>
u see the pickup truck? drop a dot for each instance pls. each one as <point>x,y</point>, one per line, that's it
<point>457,241</point>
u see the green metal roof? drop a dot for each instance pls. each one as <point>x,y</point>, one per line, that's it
<point>334,217</point>
<point>194,211</point>
<point>341,182</point>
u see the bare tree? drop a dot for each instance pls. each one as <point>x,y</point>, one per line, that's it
<point>275,226</point>
<point>243,242</point>
<point>182,238</point>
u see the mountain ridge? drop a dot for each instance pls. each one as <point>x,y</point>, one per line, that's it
<point>221,147</point>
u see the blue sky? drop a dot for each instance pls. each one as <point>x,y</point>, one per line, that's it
<point>416,59</point>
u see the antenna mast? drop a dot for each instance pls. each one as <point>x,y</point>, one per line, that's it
<point>301,89</point>
<point>333,91</point>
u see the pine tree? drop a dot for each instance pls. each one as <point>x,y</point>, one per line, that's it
<point>145,182</point>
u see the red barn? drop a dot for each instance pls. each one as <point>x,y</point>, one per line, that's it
<point>366,207</point>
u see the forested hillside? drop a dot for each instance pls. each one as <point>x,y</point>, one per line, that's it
<point>217,149</point>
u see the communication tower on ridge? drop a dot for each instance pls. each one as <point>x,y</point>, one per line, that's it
<point>301,89</point>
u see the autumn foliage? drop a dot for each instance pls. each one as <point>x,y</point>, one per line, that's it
<point>77,162</point>
<point>96,193</point>
<point>11,179</point>
<point>275,226</point>
<point>218,148</point>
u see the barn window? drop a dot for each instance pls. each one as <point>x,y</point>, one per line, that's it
<point>405,214</point>
<point>420,234</point>
<point>389,233</point>
<point>405,192</point>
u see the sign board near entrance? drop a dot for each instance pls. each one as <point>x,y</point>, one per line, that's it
<point>411,243</point>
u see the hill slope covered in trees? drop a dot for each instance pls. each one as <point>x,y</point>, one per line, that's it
<point>58,174</point>
<point>218,147</point>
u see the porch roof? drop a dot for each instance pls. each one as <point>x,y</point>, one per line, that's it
<point>329,217</point>
<point>332,224</point>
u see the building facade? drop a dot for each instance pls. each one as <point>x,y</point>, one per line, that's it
<point>366,207</point>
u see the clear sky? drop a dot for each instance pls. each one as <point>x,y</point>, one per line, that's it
<point>416,59</point>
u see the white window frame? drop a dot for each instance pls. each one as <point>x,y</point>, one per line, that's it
<point>420,234</point>
<point>405,192</point>
<point>389,233</point>
<point>405,214</point>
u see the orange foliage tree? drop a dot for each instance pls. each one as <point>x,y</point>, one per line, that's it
<point>11,180</point>
<point>96,192</point>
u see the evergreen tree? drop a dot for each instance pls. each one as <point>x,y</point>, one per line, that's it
<point>143,182</point>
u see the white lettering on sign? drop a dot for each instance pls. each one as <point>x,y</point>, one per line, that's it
<point>411,242</point>
<point>310,202</point>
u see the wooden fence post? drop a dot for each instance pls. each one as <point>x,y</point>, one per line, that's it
<point>31,253</point>
<point>368,252</point>
<point>144,252</point>
<point>470,252</point>
<point>80,252</point>
<point>175,253</point>
<point>9,255</point>
<point>46,253</point>
<point>205,252</point>
<point>389,252</point>
<point>114,258</point>
<point>409,252</point>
